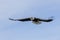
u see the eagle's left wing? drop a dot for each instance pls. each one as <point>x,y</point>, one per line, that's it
<point>25,19</point>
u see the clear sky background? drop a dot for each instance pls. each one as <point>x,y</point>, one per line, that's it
<point>13,30</point>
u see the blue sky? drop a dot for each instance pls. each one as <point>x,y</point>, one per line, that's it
<point>12,30</point>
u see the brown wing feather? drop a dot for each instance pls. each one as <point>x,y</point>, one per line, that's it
<point>46,20</point>
<point>25,19</point>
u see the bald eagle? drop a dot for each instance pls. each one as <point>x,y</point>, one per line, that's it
<point>33,19</point>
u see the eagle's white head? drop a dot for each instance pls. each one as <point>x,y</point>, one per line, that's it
<point>32,18</point>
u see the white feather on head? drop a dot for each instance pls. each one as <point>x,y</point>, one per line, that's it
<point>32,18</point>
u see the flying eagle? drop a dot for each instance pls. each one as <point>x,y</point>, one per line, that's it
<point>33,19</point>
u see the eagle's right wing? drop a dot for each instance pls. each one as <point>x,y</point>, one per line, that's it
<point>25,19</point>
<point>46,20</point>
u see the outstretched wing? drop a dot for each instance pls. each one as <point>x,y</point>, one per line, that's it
<point>25,19</point>
<point>46,20</point>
